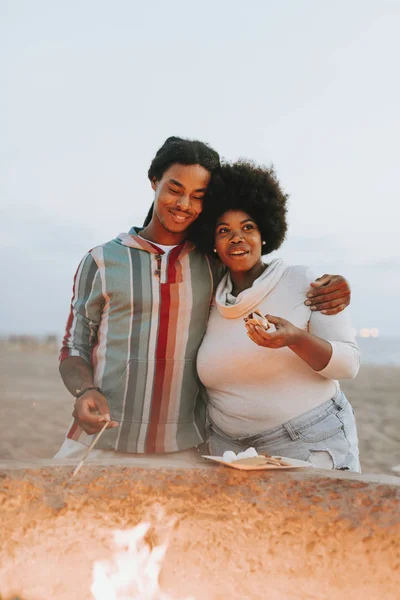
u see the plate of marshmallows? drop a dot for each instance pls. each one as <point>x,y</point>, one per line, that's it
<point>250,460</point>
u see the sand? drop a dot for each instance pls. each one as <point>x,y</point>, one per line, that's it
<point>35,409</point>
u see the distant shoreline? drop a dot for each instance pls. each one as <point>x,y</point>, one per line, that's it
<point>380,351</point>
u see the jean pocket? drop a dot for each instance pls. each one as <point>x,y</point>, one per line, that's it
<point>327,427</point>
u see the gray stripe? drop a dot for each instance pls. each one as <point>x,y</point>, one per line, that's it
<point>84,289</point>
<point>116,259</point>
<point>202,290</point>
<point>187,436</point>
<point>138,365</point>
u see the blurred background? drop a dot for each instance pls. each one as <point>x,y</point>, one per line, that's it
<point>92,88</point>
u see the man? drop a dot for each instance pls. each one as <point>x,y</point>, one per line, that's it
<point>138,314</point>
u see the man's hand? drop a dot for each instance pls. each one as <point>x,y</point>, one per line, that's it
<point>330,294</point>
<point>91,412</point>
<point>285,335</point>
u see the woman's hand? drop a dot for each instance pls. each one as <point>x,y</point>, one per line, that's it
<point>315,351</point>
<point>286,333</point>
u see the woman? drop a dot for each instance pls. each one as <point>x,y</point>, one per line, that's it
<point>276,390</point>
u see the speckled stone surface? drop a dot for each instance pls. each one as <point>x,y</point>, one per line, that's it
<point>304,534</point>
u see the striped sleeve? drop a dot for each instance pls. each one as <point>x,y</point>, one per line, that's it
<point>85,313</point>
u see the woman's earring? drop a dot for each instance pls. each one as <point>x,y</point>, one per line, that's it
<point>264,243</point>
<point>215,249</point>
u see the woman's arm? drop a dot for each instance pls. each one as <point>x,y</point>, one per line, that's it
<point>315,351</point>
<point>337,358</point>
<point>337,330</point>
<point>328,346</point>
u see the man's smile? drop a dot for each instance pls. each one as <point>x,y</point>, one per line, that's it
<point>179,216</point>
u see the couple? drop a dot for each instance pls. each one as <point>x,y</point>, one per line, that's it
<point>140,309</point>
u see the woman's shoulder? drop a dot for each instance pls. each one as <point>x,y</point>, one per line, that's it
<point>299,276</point>
<point>299,271</point>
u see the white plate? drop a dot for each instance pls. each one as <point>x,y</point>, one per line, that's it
<point>294,463</point>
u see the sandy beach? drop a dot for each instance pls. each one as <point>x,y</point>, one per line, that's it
<point>35,409</point>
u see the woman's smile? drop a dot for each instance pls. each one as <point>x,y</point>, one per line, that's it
<point>238,252</point>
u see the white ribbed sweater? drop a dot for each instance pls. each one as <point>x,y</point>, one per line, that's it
<point>251,388</point>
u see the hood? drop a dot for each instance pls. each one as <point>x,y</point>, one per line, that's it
<point>133,240</point>
<point>249,299</point>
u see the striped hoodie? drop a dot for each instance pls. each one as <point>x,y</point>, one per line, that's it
<point>138,317</point>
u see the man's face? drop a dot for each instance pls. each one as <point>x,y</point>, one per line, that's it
<point>178,199</point>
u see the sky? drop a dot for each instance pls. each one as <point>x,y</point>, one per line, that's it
<point>92,88</point>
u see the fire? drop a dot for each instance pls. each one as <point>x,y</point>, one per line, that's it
<point>134,572</point>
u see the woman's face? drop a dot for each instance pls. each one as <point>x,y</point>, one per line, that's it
<point>238,241</point>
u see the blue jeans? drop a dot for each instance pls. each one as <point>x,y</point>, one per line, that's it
<point>326,436</point>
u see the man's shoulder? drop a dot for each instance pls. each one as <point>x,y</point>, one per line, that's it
<point>103,253</point>
<point>100,248</point>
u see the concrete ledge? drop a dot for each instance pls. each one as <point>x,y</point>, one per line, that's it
<point>159,462</point>
<point>304,534</point>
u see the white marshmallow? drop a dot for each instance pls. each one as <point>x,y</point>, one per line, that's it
<point>228,456</point>
<point>249,453</point>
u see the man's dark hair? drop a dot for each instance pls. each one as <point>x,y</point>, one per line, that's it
<point>254,190</point>
<point>176,150</point>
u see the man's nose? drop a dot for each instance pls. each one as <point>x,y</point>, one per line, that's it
<point>184,201</point>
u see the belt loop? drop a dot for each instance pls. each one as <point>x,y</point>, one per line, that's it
<point>340,399</point>
<point>293,435</point>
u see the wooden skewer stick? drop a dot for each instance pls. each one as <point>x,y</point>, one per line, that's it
<point>92,445</point>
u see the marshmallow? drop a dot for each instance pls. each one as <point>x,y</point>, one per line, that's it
<point>228,456</point>
<point>249,453</point>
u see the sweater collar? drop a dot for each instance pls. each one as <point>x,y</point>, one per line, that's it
<point>249,299</point>
<point>133,240</point>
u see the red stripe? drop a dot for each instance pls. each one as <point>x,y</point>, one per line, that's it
<point>159,250</point>
<point>64,347</point>
<point>173,255</point>
<point>63,354</point>
<point>167,399</point>
<point>155,430</point>
<point>165,301</point>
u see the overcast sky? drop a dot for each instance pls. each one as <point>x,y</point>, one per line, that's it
<point>93,88</point>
